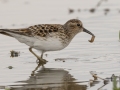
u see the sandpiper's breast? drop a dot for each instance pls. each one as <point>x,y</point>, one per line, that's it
<point>49,44</point>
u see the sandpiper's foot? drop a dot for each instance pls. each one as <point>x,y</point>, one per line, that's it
<point>41,61</point>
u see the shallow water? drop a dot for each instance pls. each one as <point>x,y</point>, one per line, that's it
<point>79,58</point>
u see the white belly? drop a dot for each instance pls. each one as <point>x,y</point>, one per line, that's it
<point>50,44</point>
<point>42,44</point>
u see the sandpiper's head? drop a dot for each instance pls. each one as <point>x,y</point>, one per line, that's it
<point>76,25</point>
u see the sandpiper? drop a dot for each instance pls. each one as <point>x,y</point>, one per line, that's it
<point>47,37</point>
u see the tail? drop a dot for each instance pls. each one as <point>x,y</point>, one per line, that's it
<point>3,31</point>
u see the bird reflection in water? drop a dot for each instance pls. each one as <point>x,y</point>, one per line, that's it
<point>49,79</point>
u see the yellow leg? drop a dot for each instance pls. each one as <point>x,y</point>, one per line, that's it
<point>39,58</point>
<point>42,55</point>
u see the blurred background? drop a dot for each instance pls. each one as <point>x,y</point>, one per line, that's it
<point>101,17</point>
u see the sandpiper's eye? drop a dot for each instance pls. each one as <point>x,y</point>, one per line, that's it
<point>78,24</point>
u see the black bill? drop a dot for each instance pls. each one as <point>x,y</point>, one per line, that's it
<point>85,30</point>
<point>93,36</point>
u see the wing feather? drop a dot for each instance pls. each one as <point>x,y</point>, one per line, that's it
<point>41,30</point>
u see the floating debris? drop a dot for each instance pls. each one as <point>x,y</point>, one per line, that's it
<point>106,11</point>
<point>63,59</point>
<point>14,53</point>
<point>10,67</point>
<point>95,81</point>
<point>94,75</point>
<point>71,11</point>
<point>105,81</point>
<point>92,10</point>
